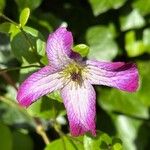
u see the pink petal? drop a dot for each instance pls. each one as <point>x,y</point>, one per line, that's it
<point>79,100</point>
<point>123,76</point>
<point>59,46</point>
<point>38,84</point>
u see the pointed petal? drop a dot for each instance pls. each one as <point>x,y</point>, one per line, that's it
<point>38,84</point>
<point>123,76</point>
<point>59,45</point>
<point>79,100</point>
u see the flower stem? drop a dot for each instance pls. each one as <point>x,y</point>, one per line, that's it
<point>40,130</point>
<point>38,125</point>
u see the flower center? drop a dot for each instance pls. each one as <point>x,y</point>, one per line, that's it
<point>73,71</point>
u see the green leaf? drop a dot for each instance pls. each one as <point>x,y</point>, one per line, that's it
<point>19,140</point>
<point>24,16</point>
<point>102,141</point>
<point>122,102</point>
<point>5,138</point>
<point>127,129</point>
<point>144,8</point>
<point>55,96</point>
<point>133,104</point>
<point>32,4</point>
<point>117,146</point>
<point>82,49</point>
<point>46,108</point>
<point>133,47</point>
<point>101,43</point>
<point>101,6</point>
<point>132,20</point>
<point>65,144</point>
<point>2,5</point>
<point>10,112</point>
<point>143,92</point>
<point>146,39</point>
<point>29,45</point>
<point>5,27</point>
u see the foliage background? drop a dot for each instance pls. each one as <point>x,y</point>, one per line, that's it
<point>115,30</point>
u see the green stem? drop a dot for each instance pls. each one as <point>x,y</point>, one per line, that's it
<point>9,20</point>
<point>40,130</point>
<point>18,68</point>
<point>39,127</point>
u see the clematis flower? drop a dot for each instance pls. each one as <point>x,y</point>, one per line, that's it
<point>74,77</point>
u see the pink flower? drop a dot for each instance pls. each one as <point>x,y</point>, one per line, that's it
<point>74,77</point>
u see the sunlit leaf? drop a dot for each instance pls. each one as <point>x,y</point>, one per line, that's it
<point>133,47</point>
<point>82,49</point>
<point>146,39</point>
<point>24,16</point>
<point>101,42</point>
<point>104,5</point>
<point>127,129</point>
<point>131,21</point>
<point>28,45</point>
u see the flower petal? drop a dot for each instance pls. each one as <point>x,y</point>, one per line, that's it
<point>38,84</point>
<point>123,76</point>
<point>59,46</point>
<point>79,100</point>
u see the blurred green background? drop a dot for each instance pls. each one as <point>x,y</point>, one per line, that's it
<point>115,30</point>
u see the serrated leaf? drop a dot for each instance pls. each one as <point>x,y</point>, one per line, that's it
<point>24,16</point>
